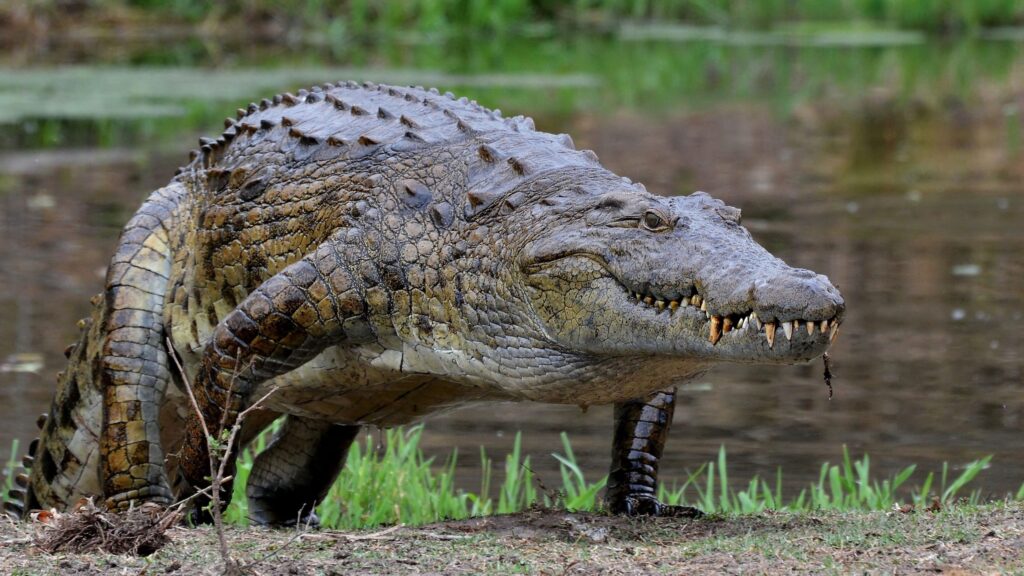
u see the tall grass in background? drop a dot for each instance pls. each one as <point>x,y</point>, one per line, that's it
<point>939,16</point>
<point>394,482</point>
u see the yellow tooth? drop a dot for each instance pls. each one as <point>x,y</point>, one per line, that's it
<point>787,328</point>
<point>638,296</point>
<point>686,301</point>
<point>648,300</point>
<point>824,326</point>
<point>727,325</point>
<point>673,305</point>
<point>716,329</point>
<point>704,305</point>
<point>835,333</point>
<point>696,300</point>
<point>810,328</point>
<point>660,304</point>
<point>757,321</point>
<point>769,333</point>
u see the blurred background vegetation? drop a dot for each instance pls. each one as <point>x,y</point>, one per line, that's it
<point>359,17</point>
<point>140,69</point>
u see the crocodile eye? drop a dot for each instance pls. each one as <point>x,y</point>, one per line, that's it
<point>653,221</point>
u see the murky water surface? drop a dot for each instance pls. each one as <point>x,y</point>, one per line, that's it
<point>897,171</point>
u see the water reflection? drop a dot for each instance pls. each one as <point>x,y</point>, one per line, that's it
<point>910,200</point>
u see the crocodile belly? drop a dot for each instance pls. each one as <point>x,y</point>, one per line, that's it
<point>368,385</point>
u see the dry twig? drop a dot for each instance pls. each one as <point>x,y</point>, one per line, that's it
<point>220,457</point>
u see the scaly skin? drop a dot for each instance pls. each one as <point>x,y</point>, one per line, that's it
<point>373,255</point>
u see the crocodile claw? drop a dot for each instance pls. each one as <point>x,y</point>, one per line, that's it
<point>650,506</point>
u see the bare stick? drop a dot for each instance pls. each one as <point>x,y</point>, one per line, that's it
<point>188,386</point>
<point>230,566</point>
<point>202,492</point>
<point>220,456</point>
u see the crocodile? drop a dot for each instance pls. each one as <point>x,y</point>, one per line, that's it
<point>364,254</point>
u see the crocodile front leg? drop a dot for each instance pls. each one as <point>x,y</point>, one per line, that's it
<point>294,473</point>
<point>289,319</point>
<point>641,428</point>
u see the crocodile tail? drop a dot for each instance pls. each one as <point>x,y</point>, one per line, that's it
<point>119,360</point>
<point>61,463</point>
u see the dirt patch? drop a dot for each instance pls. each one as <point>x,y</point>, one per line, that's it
<point>956,540</point>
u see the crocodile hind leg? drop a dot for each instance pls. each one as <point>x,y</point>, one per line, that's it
<point>133,368</point>
<point>294,473</point>
<point>641,428</point>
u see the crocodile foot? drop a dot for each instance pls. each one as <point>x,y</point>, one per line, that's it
<point>261,515</point>
<point>644,505</point>
<point>150,494</point>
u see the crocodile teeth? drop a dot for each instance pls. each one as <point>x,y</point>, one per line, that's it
<point>727,325</point>
<point>660,304</point>
<point>673,305</point>
<point>769,333</point>
<point>704,305</point>
<point>685,301</point>
<point>824,326</point>
<point>810,328</point>
<point>696,300</point>
<point>756,320</point>
<point>835,333</point>
<point>787,328</point>
<point>638,296</point>
<point>716,329</point>
<point>742,323</point>
<point>648,300</point>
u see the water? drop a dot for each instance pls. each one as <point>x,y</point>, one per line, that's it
<point>896,170</point>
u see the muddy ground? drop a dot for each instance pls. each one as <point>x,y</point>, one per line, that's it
<point>962,539</point>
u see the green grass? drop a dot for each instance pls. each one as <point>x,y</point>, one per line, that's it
<point>398,484</point>
<point>394,482</point>
<point>363,17</point>
<point>846,486</point>
<point>10,469</point>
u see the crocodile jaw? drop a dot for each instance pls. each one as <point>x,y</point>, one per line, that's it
<point>615,320</point>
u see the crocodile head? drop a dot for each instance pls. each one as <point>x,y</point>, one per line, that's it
<point>623,272</point>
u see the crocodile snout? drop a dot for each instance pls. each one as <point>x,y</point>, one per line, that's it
<point>797,294</point>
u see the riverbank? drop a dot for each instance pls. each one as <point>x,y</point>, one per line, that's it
<point>961,539</point>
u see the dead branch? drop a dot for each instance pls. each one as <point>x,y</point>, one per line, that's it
<point>220,456</point>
